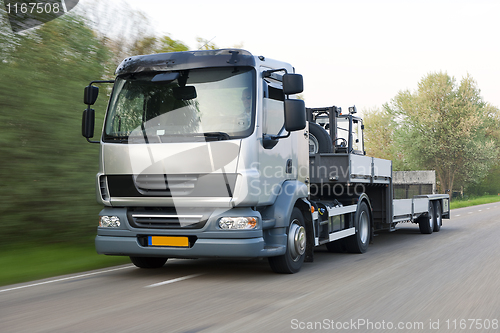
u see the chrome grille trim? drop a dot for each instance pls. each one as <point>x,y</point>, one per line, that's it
<point>167,218</point>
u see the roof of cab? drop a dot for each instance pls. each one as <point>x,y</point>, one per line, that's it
<point>185,60</point>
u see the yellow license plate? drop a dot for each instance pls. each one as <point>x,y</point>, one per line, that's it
<point>168,241</point>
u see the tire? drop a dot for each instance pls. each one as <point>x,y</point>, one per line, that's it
<point>292,260</point>
<point>148,262</point>
<point>438,216</point>
<point>427,222</point>
<point>358,243</point>
<point>319,140</point>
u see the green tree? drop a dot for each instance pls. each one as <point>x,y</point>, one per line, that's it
<point>152,44</point>
<point>167,44</point>
<point>146,45</point>
<point>379,135</point>
<point>47,170</point>
<point>47,191</point>
<point>444,126</point>
<point>132,34</point>
<point>205,44</point>
<point>491,183</point>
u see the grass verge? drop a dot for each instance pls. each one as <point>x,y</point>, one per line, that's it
<point>456,203</point>
<point>28,263</point>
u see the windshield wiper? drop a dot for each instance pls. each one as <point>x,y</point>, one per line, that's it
<point>216,135</point>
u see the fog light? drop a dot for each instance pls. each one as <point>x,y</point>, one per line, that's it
<point>109,221</point>
<point>241,223</point>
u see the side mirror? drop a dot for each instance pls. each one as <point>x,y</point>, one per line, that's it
<point>184,93</point>
<point>293,84</point>
<point>295,115</point>
<point>90,95</point>
<point>88,121</point>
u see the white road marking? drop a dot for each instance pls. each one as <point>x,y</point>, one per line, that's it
<point>469,213</point>
<point>457,215</point>
<point>172,281</point>
<point>65,279</point>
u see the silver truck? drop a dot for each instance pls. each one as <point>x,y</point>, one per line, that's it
<point>211,154</point>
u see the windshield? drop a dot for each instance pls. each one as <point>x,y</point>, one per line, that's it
<point>194,105</point>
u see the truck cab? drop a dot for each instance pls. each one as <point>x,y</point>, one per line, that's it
<point>196,151</point>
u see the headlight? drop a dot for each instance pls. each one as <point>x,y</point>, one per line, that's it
<point>238,223</point>
<point>109,221</point>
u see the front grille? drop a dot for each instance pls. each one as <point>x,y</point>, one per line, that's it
<point>158,185</point>
<point>168,185</point>
<point>168,218</point>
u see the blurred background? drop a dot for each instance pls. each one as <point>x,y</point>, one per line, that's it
<point>47,169</point>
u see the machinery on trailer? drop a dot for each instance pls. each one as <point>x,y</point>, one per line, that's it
<point>210,154</point>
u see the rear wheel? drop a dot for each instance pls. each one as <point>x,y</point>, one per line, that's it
<point>358,243</point>
<point>438,218</point>
<point>427,222</point>
<point>292,260</point>
<point>148,262</point>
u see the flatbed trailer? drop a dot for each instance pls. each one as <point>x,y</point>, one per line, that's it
<point>347,174</point>
<point>210,154</point>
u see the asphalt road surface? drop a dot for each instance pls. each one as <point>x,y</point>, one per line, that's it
<point>444,282</point>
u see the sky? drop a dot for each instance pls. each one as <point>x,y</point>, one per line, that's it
<point>355,52</point>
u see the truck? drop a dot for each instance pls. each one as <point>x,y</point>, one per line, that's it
<point>212,154</point>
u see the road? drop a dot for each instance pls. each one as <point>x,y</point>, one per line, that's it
<point>447,281</point>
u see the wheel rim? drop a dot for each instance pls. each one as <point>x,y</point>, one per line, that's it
<point>313,144</point>
<point>296,240</point>
<point>363,228</point>
<point>431,220</point>
<point>439,218</point>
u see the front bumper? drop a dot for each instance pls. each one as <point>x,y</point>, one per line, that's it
<point>203,248</point>
<point>207,241</point>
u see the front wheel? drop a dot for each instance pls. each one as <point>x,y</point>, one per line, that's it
<point>292,260</point>
<point>148,262</point>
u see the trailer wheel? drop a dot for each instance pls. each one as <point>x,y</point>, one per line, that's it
<point>358,243</point>
<point>438,216</point>
<point>427,221</point>
<point>319,140</point>
<point>292,260</point>
<point>148,262</point>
